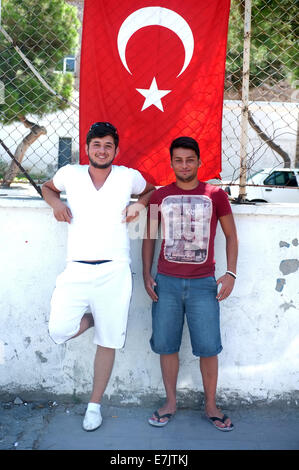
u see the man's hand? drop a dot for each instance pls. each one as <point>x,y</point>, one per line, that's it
<point>132,211</point>
<point>62,212</point>
<point>227,284</point>
<point>51,195</point>
<point>149,285</point>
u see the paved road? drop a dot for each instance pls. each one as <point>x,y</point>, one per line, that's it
<point>56,426</point>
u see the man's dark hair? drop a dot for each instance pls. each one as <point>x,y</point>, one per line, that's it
<point>101,129</point>
<point>186,143</point>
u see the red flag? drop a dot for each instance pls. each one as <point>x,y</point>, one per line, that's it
<point>156,73</point>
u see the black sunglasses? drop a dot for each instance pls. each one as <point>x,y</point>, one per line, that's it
<point>101,124</point>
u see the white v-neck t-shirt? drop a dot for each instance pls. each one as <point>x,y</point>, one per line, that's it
<point>96,231</point>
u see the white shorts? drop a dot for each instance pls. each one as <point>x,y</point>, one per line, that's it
<point>103,290</point>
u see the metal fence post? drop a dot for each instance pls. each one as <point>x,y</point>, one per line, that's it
<point>245,95</point>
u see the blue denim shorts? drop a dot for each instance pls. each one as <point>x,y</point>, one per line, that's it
<point>195,298</point>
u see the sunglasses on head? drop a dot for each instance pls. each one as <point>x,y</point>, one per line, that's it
<point>101,124</point>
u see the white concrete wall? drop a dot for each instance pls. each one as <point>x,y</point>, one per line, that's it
<point>260,321</point>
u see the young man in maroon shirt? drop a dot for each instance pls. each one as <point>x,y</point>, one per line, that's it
<point>185,284</point>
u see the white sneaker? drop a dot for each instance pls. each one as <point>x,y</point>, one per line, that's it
<point>93,418</point>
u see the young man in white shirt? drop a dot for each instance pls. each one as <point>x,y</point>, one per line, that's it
<point>97,277</point>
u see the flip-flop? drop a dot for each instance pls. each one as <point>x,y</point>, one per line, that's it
<point>158,422</point>
<point>213,420</point>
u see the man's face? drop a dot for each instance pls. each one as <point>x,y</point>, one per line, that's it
<point>101,151</point>
<point>185,164</point>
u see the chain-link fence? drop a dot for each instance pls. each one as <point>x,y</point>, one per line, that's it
<point>39,92</point>
<point>260,116</point>
<point>39,46</point>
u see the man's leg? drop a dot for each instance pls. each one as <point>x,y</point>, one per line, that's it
<point>170,369</point>
<point>167,329</point>
<point>103,364</point>
<point>110,314</point>
<point>202,311</point>
<point>69,303</point>
<point>86,322</point>
<point>209,372</point>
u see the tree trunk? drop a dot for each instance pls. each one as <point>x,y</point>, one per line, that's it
<point>284,155</point>
<point>35,132</point>
<point>269,141</point>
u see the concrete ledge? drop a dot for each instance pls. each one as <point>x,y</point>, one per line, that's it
<point>23,198</point>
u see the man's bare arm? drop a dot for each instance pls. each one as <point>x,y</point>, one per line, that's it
<point>148,250</point>
<point>51,195</point>
<point>132,211</point>
<point>227,281</point>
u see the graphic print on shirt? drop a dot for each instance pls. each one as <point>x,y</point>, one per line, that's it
<point>186,227</point>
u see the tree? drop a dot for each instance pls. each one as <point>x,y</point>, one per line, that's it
<point>45,31</point>
<point>273,53</point>
<point>274,47</point>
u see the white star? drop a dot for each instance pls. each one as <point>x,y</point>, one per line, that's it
<point>153,96</point>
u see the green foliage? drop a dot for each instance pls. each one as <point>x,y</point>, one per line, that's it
<point>46,31</point>
<point>273,51</point>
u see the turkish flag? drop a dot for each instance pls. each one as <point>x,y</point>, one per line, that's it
<point>156,73</point>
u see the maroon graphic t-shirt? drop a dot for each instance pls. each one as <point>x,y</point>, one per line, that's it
<point>189,220</point>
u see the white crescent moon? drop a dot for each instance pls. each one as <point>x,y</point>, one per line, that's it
<point>155,16</point>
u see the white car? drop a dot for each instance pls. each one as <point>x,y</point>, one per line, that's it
<point>281,185</point>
